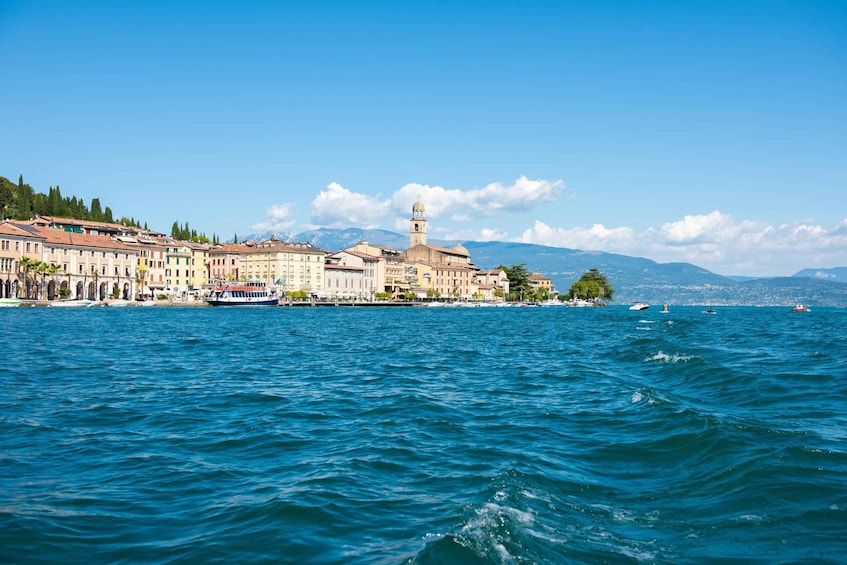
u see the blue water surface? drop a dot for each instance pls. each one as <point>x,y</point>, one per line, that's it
<point>423,435</point>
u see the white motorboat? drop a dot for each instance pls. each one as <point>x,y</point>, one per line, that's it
<point>9,302</point>
<point>639,306</point>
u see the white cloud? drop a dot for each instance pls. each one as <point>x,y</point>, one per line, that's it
<point>278,219</point>
<point>337,207</point>
<point>595,238</point>
<point>714,241</point>
<point>464,205</point>
<point>485,234</point>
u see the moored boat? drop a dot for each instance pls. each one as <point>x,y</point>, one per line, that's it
<point>9,302</point>
<point>243,293</point>
<point>84,303</point>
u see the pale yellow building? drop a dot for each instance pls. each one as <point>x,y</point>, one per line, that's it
<point>199,274</point>
<point>541,283</point>
<point>95,267</point>
<point>186,266</point>
<point>289,266</point>
<point>17,240</point>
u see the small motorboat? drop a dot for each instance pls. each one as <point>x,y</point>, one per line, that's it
<point>710,311</point>
<point>9,302</point>
<point>800,308</point>
<point>639,306</point>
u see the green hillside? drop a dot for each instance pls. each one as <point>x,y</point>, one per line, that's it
<point>19,201</point>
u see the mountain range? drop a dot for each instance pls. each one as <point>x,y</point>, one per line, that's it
<point>633,278</point>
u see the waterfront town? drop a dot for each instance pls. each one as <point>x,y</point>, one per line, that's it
<point>49,259</point>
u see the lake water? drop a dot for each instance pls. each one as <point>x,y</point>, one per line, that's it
<point>423,435</point>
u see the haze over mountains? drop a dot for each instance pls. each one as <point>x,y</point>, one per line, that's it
<point>634,278</point>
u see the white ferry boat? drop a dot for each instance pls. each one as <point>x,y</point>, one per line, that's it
<point>243,293</point>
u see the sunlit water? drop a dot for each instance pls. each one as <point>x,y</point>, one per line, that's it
<point>423,435</point>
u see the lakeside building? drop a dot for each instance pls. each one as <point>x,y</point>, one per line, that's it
<point>78,265</point>
<point>16,244</point>
<point>91,266</point>
<point>541,283</point>
<point>342,281</point>
<point>131,262</point>
<point>290,266</point>
<point>440,271</point>
<point>391,269</point>
<point>369,266</point>
<point>186,266</point>
<point>494,278</point>
<point>225,262</point>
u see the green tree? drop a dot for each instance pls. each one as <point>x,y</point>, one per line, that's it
<point>96,212</point>
<point>592,285</point>
<point>7,198</point>
<point>519,288</point>
<point>23,201</point>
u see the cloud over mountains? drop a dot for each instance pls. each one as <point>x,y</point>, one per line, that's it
<point>714,240</point>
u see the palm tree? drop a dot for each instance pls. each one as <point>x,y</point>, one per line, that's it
<point>25,265</point>
<point>41,269</point>
<point>52,270</point>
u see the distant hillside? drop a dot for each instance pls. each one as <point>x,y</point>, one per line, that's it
<point>838,274</point>
<point>634,278</point>
<point>335,239</point>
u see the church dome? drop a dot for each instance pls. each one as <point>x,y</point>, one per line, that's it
<point>418,207</point>
<point>459,248</point>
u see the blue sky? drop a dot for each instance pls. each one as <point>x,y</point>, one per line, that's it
<point>708,132</point>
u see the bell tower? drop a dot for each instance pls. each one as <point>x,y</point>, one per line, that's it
<point>417,225</point>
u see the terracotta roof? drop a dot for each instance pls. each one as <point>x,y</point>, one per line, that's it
<point>9,228</point>
<point>59,237</point>
<point>230,248</point>
<point>359,254</point>
<point>74,222</point>
<point>462,252</point>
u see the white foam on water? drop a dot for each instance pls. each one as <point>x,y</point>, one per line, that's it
<point>663,357</point>
<point>755,518</point>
